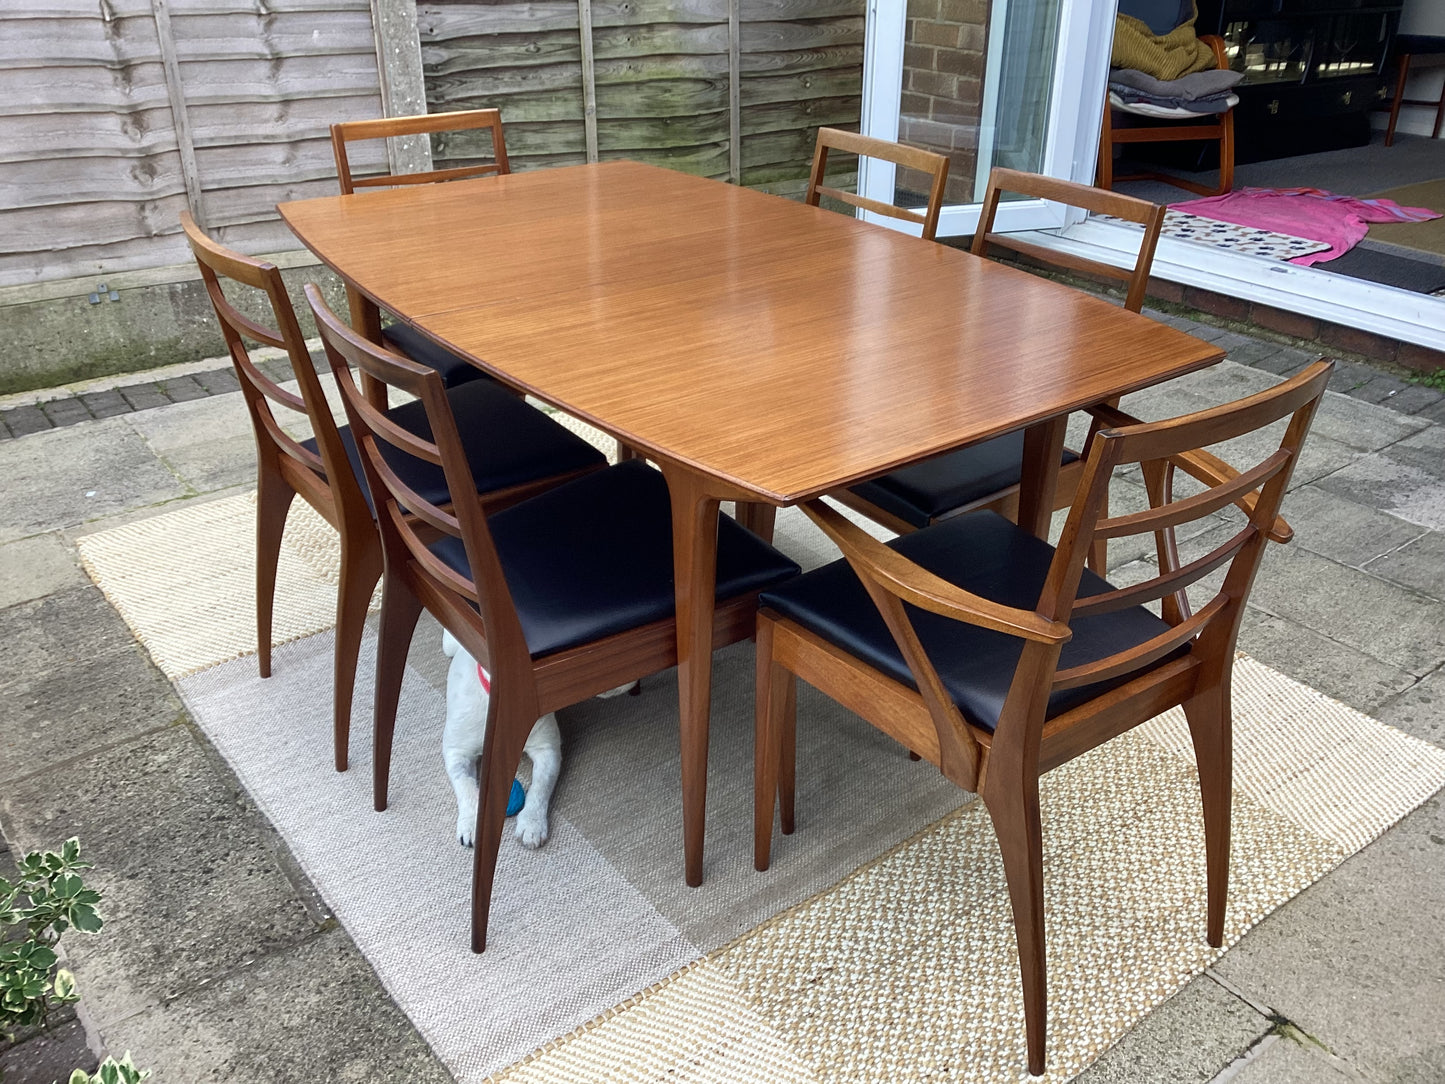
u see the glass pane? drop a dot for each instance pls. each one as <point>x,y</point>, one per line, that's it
<point>977,78</point>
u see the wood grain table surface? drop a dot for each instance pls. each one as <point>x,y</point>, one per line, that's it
<point>757,348</point>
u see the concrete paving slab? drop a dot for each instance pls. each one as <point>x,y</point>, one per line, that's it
<point>1287,1060</point>
<point>1345,673</point>
<point>190,886</point>
<point>35,567</point>
<point>63,633</point>
<point>52,716</point>
<point>1406,479</point>
<point>1344,531</point>
<point>1354,960</point>
<point>1188,1039</point>
<point>1361,425</point>
<point>50,1056</point>
<point>1419,564</point>
<point>1419,709</point>
<point>1380,619</point>
<point>207,442</point>
<point>67,476</point>
<point>317,1012</point>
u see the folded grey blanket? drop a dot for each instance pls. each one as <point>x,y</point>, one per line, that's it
<point>1214,103</point>
<point>1206,84</point>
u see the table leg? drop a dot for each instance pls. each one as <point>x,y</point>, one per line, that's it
<point>1043,450</point>
<point>758,518</point>
<point>694,557</point>
<point>366,321</point>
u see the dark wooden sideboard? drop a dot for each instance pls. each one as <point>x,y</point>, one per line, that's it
<point>1313,70</point>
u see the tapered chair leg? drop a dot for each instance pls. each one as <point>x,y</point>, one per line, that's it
<point>507,730</point>
<point>767,741</point>
<point>273,501</point>
<point>400,610</point>
<point>1210,726</point>
<point>785,692</point>
<point>1014,806</point>
<point>360,569</point>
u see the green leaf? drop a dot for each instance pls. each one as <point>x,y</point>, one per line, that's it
<point>85,918</point>
<point>70,849</point>
<point>64,985</point>
<point>80,1076</point>
<point>42,957</point>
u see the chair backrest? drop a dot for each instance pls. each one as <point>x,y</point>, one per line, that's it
<point>935,165</point>
<point>1095,200</point>
<point>425,124</point>
<point>259,391</point>
<point>410,523</point>
<point>1160,448</point>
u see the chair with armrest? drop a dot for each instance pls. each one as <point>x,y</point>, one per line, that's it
<point>1124,124</point>
<point>987,475</point>
<point>935,166</point>
<point>397,335</point>
<point>519,451</point>
<point>999,657</point>
<point>561,597</point>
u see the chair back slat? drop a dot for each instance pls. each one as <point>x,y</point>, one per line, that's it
<point>1096,201</point>
<point>1168,583</point>
<point>1189,508</point>
<point>1142,656</point>
<point>401,512</point>
<point>260,391</point>
<point>422,124</point>
<point>935,165</point>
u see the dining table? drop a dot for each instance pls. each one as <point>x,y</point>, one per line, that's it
<point>757,349</point>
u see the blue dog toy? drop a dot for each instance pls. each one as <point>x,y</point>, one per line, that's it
<point>516,799</point>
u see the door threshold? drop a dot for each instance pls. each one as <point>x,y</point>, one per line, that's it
<point>1368,306</point>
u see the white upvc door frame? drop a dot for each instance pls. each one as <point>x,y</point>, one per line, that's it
<point>1071,144</point>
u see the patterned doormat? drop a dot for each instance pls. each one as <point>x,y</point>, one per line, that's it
<point>878,947</point>
<point>1183,226</point>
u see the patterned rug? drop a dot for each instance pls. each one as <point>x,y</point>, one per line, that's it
<point>1182,226</point>
<point>878,947</point>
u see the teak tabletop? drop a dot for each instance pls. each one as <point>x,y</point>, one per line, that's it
<point>756,348</point>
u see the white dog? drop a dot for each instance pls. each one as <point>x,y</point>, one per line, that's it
<point>462,737</point>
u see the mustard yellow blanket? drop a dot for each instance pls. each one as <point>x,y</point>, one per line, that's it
<point>1175,54</point>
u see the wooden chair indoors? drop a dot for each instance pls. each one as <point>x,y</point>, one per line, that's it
<point>998,657</point>
<point>517,451</point>
<point>1123,125</point>
<point>397,335</point>
<point>987,475</point>
<point>561,597</point>
<point>934,165</point>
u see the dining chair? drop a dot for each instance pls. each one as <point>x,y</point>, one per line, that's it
<point>561,597</point>
<point>1124,123</point>
<point>927,162</point>
<point>400,336</point>
<point>517,451</point>
<point>999,657</point>
<point>987,475</point>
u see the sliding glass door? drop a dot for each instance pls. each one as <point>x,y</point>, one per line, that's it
<point>1016,83</point>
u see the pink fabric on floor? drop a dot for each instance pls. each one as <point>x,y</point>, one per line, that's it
<point>1339,221</point>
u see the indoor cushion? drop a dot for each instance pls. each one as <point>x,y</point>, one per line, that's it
<point>593,557</point>
<point>984,553</point>
<point>454,369</point>
<point>507,443</point>
<point>918,493</point>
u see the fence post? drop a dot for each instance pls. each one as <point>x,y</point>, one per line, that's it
<point>403,85</point>
<point>735,92</point>
<point>176,94</point>
<point>589,78</point>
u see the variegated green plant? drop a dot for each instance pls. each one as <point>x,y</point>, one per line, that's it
<point>46,899</point>
<point>111,1071</point>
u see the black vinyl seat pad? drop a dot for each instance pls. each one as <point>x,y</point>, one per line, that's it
<point>984,553</point>
<point>507,443</point>
<point>920,492</point>
<point>593,558</point>
<point>454,369</point>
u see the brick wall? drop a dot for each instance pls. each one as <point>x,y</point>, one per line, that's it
<point>943,58</point>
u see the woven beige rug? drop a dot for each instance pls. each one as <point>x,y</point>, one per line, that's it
<point>879,947</point>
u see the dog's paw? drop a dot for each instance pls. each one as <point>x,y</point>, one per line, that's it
<point>531,828</point>
<point>466,825</point>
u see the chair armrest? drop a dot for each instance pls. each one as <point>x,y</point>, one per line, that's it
<point>913,584</point>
